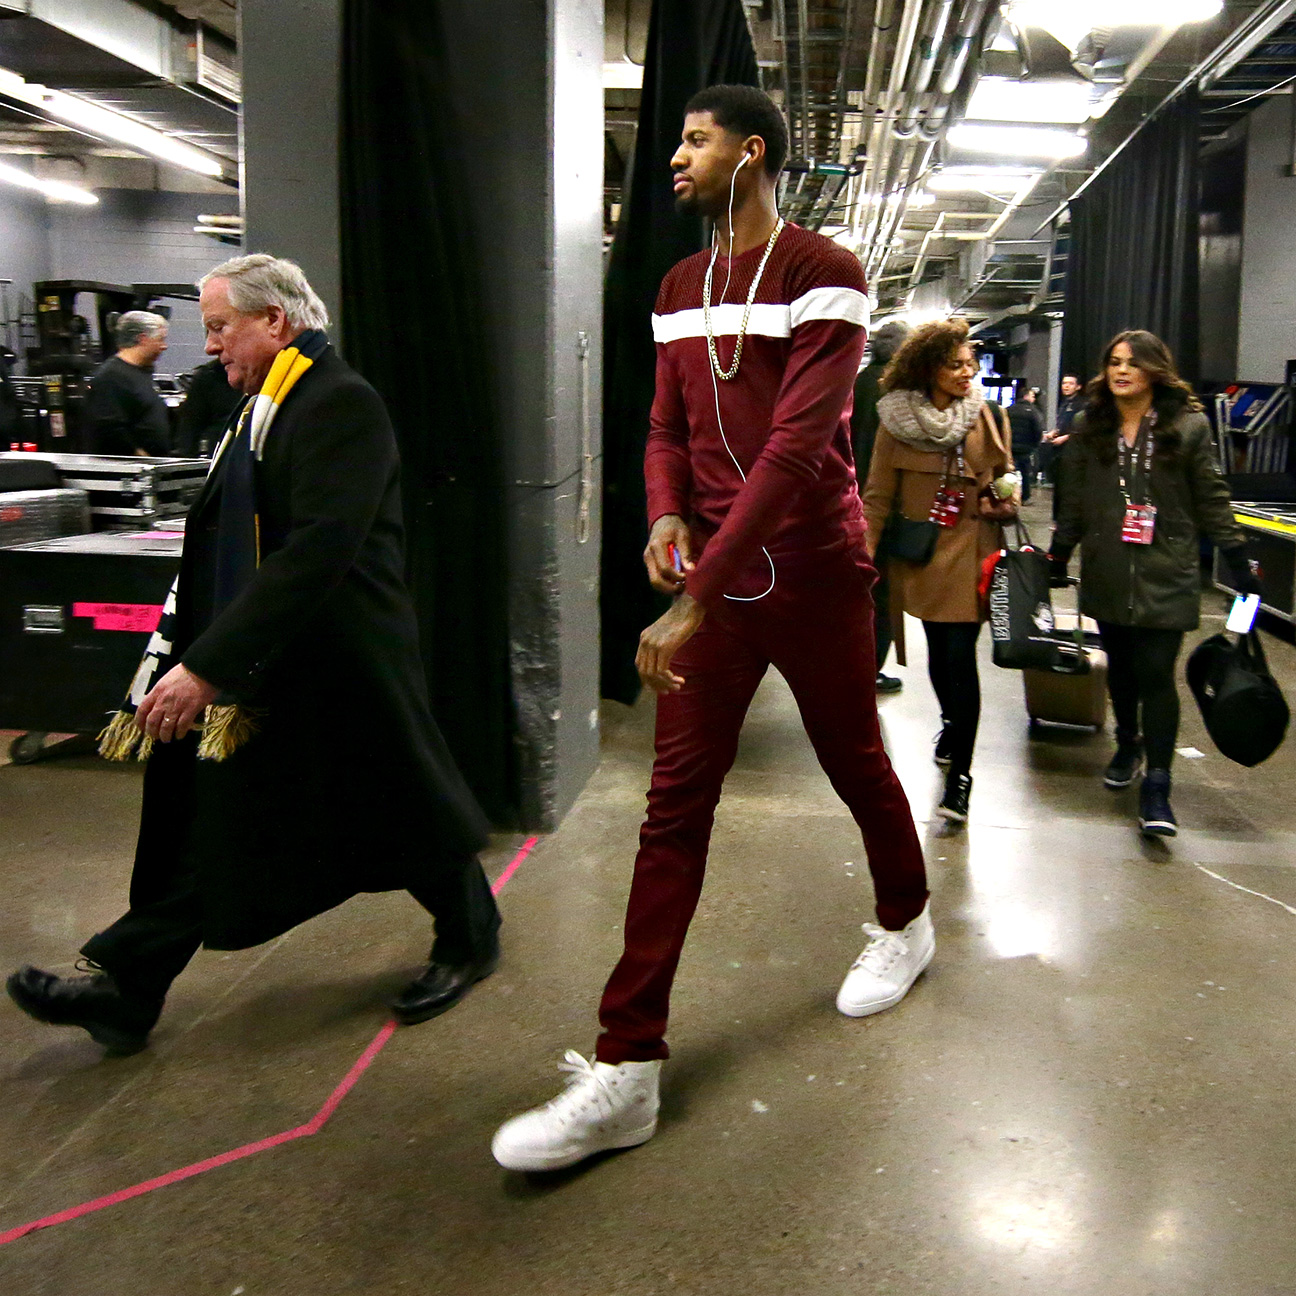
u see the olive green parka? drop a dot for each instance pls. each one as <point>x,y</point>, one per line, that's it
<point>1156,586</point>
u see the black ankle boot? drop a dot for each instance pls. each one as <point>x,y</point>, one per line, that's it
<point>1125,765</point>
<point>121,1023</point>
<point>1156,818</point>
<point>944,747</point>
<point>958,792</point>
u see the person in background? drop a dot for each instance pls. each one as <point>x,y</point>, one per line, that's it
<point>940,440</point>
<point>1071,403</point>
<point>123,411</point>
<point>1142,485</point>
<point>1027,423</point>
<point>209,401</point>
<point>864,425</point>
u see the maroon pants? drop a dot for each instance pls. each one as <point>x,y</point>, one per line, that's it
<point>816,629</point>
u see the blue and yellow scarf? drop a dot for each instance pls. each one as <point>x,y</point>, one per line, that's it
<point>226,726</point>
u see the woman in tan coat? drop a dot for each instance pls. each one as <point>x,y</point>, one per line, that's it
<point>942,454</point>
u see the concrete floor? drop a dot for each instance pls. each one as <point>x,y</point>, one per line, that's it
<point>1089,1092</point>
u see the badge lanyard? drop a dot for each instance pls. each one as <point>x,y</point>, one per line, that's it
<point>947,507</point>
<point>1139,525</point>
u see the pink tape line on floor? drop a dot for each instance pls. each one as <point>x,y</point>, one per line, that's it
<point>312,1126</point>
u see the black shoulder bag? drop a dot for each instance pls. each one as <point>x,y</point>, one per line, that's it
<point>911,541</point>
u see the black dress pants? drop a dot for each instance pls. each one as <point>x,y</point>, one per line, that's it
<point>1141,679</point>
<point>150,945</point>
<point>952,666</point>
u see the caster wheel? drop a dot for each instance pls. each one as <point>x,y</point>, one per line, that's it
<point>26,748</point>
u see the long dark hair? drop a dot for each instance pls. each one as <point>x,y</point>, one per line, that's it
<point>1171,396</point>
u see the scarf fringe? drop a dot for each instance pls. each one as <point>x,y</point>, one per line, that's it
<point>123,738</point>
<point>225,729</point>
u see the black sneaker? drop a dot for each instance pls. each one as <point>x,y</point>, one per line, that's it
<point>889,683</point>
<point>95,1003</point>
<point>954,804</point>
<point>944,748</point>
<point>1156,819</point>
<point>1125,766</point>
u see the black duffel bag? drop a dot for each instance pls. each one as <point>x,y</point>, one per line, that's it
<point>1244,710</point>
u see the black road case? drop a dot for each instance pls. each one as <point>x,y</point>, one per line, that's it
<point>127,491</point>
<point>75,616</point>
<point>30,515</point>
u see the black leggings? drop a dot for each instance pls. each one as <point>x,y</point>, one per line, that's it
<point>1141,671</point>
<point>952,665</point>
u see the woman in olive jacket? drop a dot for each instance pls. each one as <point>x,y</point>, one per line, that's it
<point>1140,488</point>
<point>937,431</point>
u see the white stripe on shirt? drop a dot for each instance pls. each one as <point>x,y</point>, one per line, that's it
<point>847,304</point>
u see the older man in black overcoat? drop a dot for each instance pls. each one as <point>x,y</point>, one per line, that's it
<point>345,784</point>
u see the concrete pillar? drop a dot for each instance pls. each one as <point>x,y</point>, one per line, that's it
<point>525,85</point>
<point>531,106</point>
<point>291,58</point>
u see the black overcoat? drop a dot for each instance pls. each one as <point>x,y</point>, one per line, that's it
<point>347,785</point>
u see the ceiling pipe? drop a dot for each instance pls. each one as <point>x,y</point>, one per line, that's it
<point>882,144</point>
<point>923,68</point>
<point>956,68</point>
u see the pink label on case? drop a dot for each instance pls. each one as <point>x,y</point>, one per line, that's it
<point>134,618</point>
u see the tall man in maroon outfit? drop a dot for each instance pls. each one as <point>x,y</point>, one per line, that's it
<point>758,532</point>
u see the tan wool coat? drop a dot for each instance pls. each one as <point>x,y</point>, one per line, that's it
<point>945,589</point>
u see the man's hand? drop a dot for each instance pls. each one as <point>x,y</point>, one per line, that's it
<point>669,529</point>
<point>663,639</point>
<point>174,703</point>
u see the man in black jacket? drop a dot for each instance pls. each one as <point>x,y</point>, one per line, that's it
<point>864,425</point>
<point>1027,423</point>
<point>345,784</point>
<point>124,413</point>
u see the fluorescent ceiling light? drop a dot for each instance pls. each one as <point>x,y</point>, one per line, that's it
<point>55,190</point>
<point>107,124</point>
<point>1000,99</point>
<point>127,130</point>
<point>1071,22</point>
<point>996,180</point>
<point>1018,141</point>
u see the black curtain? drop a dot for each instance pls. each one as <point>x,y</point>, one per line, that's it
<point>414,329</point>
<point>1134,245</point>
<point>691,44</point>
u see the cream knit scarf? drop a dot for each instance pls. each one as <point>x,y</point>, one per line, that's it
<point>912,419</point>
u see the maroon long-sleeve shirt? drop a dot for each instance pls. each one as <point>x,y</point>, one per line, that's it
<point>786,415</point>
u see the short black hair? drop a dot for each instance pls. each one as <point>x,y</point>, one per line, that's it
<point>745,111</point>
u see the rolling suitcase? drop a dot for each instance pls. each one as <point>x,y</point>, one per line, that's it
<point>1068,700</point>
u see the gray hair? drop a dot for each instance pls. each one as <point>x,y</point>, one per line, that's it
<point>134,326</point>
<point>259,281</point>
<point>888,340</point>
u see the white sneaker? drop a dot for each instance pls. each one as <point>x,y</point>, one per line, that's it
<point>889,965</point>
<point>602,1107</point>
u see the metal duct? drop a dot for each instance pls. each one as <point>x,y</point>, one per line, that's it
<point>923,69</point>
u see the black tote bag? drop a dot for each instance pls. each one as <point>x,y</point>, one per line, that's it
<point>1243,708</point>
<point>1023,630</point>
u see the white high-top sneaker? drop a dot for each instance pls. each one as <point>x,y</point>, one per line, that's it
<point>889,965</point>
<point>602,1107</point>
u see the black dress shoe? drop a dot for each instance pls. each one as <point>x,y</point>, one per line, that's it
<point>94,1002</point>
<point>889,683</point>
<point>440,987</point>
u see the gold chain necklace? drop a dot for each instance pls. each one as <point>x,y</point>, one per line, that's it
<point>751,297</point>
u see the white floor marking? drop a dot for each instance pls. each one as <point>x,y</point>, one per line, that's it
<point>1238,887</point>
